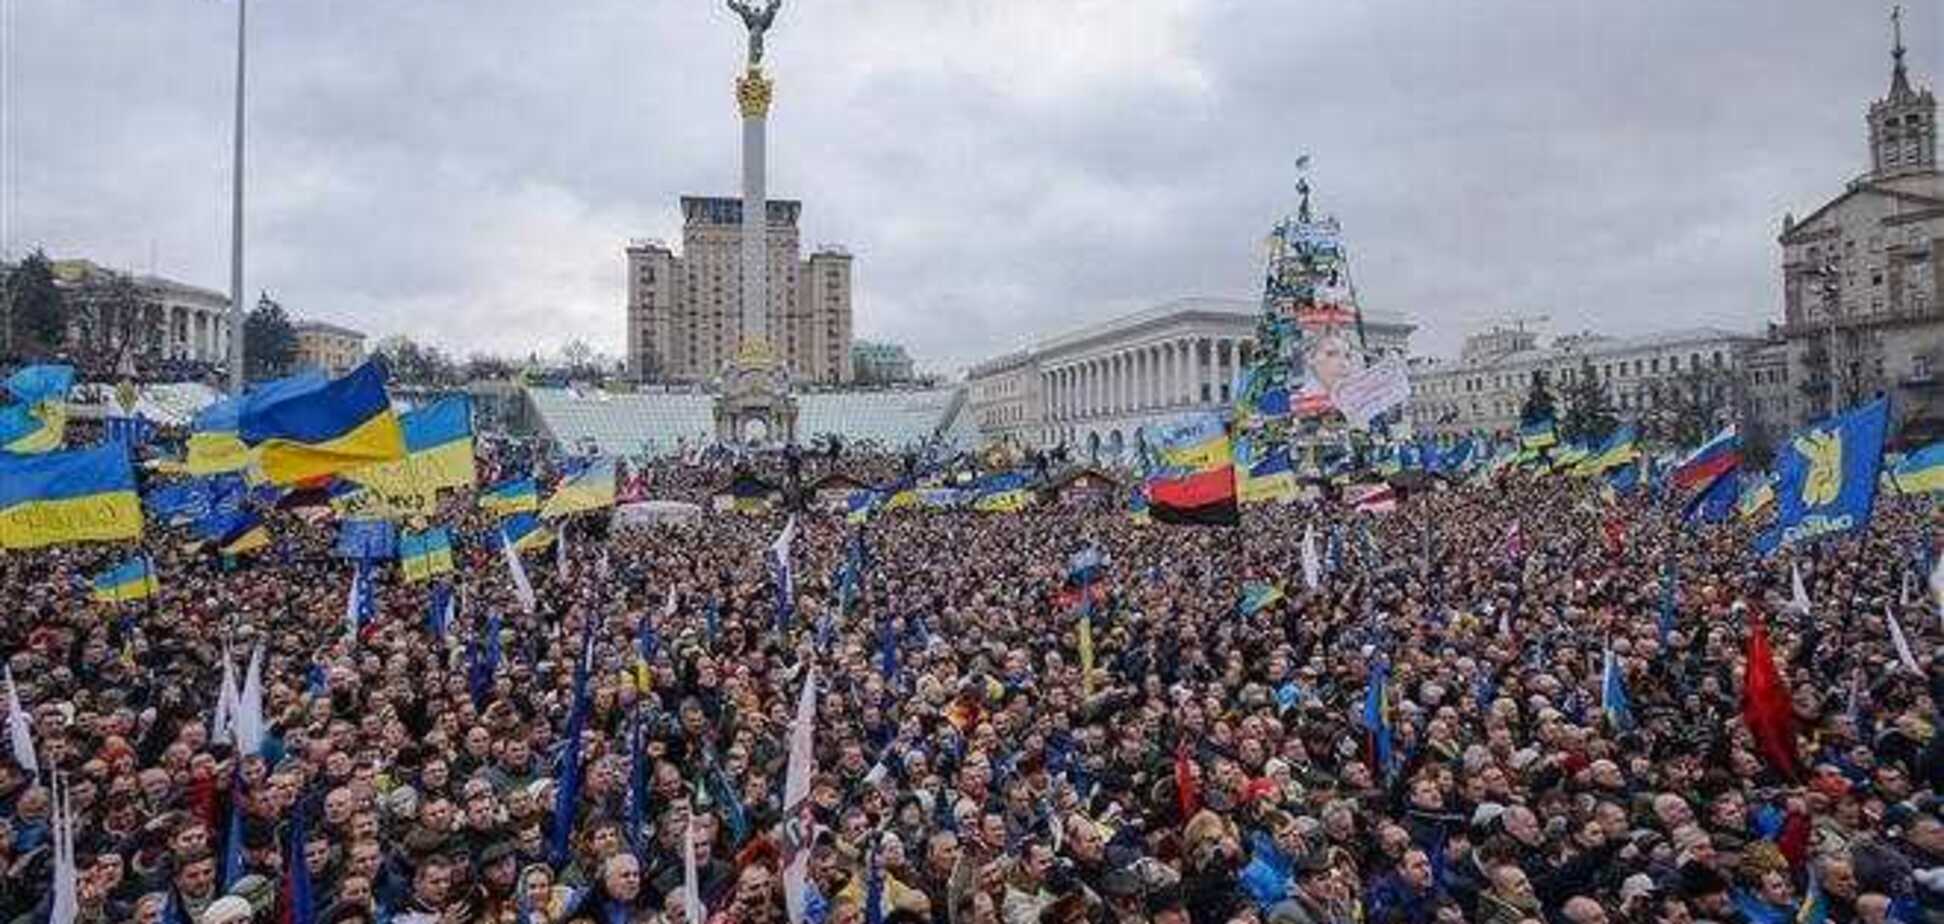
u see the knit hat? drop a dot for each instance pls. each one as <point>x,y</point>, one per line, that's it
<point>226,910</point>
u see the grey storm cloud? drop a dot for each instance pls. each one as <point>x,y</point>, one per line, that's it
<point>467,171</point>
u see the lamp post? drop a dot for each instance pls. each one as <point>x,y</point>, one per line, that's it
<point>236,322</point>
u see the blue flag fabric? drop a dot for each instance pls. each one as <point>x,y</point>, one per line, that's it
<point>367,539</point>
<point>1827,477</point>
<point>1717,502</point>
<point>298,891</point>
<point>439,610</point>
<point>567,796</point>
<point>638,791</point>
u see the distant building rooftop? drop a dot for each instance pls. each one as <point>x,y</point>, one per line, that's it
<point>326,327</point>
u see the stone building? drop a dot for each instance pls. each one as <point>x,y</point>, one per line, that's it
<point>1484,390</point>
<point>880,363</point>
<point>684,309</point>
<point>328,348</point>
<point>1862,298</point>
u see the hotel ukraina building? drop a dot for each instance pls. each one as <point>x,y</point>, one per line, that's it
<point>1107,381</point>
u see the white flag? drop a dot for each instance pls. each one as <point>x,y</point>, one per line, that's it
<point>560,552</point>
<point>1799,597</point>
<point>1312,565</point>
<point>66,904</point>
<point>222,728</point>
<point>798,823</point>
<point>521,586</point>
<point>249,707</point>
<point>691,885</point>
<point>1937,585</point>
<point>1903,644</point>
<point>351,609</point>
<point>20,732</point>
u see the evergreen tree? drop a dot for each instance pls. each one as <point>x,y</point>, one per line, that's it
<point>1538,401</point>
<point>269,340</point>
<point>1590,417</point>
<point>37,310</point>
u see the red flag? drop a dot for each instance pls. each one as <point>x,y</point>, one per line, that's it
<point>1616,535</point>
<point>1186,794</point>
<point>1766,707</point>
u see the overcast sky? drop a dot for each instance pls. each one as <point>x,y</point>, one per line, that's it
<point>467,171</point>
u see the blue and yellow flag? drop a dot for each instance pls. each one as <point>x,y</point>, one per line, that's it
<point>1538,434</point>
<point>859,505</point>
<point>1197,443</point>
<point>1263,478</point>
<point>1258,596</point>
<point>591,488</point>
<point>1921,472</point>
<point>1619,449</point>
<point>1005,492</point>
<point>438,452</point>
<point>1826,477</point>
<point>519,495</point>
<point>75,496</point>
<point>213,446</point>
<point>524,532</point>
<point>133,579</point>
<point>34,417</point>
<point>423,555</point>
<point>1757,493</point>
<point>246,533</point>
<point>302,432</point>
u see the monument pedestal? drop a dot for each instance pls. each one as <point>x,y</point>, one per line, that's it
<point>754,404</point>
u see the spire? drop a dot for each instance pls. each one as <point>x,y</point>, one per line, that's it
<point>1899,80</point>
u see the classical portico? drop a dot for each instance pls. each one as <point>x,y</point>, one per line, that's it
<point>1104,384</point>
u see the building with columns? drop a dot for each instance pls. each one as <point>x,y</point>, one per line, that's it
<point>177,321</point>
<point>1863,275</point>
<point>1102,384</point>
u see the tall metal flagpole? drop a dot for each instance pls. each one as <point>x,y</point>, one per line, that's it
<point>236,220</point>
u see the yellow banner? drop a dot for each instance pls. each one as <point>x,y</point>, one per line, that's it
<point>99,517</point>
<point>421,473</point>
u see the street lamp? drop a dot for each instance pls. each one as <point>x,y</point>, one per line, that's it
<point>236,319</point>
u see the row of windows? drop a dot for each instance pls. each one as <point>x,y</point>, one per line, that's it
<point>1567,375</point>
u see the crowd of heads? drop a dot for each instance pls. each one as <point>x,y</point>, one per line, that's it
<point>1216,765</point>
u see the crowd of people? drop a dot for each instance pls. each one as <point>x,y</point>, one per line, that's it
<point>1220,764</point>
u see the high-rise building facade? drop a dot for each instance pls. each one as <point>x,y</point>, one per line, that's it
<point>684,308</point>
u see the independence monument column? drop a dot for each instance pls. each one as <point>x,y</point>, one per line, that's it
<point>755,386</point>
<point>753,98</point>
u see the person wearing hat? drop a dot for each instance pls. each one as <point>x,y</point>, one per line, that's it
<point>229,909</point>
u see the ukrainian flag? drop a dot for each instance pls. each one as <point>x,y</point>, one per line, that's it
<point>307,431</point>
<point>1921,472</point>
<point>858,507</point>
<point>525,532</point>
<point>438,452</point>
<point>509,497</point>
<point>589,489</point>
<point>1538,434</point>
<point>1265,479</point>
<point>131,580</point>
<point>1197,444</point>
<point>1756,495</point>
<point>74,496</point>
<point>1002,493</point>
<point>246,533</point>
<point>36,419</point>
<point>1258,596</point>
<point>425,554</point>
<point>902,499</point>
<point>214,448</point>
<point>1618,450</point>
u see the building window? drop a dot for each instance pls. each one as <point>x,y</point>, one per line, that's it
<point>1920,367</point>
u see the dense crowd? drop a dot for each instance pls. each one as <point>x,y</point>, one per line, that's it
<point>1217,767</point>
